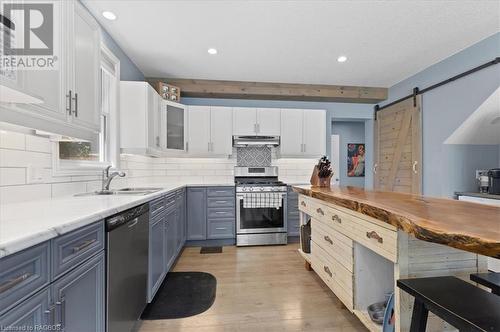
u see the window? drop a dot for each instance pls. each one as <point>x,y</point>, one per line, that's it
<point>73,156</point>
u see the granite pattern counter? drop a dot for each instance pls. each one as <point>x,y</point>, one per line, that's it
<point>463,225</point>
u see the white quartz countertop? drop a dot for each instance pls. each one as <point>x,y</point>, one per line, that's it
<point>25,224</point>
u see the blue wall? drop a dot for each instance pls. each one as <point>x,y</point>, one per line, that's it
<point>450,168</point>
<point>349,132</point>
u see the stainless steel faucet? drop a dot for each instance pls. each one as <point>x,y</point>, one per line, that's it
<point>107,177</point>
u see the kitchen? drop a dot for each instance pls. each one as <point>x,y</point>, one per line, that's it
<point>180,170</point>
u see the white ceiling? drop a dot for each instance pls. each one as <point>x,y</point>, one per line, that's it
<point>295,41</point>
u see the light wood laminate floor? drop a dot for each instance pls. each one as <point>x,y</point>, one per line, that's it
<point>260,289</point>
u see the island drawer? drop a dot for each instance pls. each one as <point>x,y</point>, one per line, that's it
<point>220,229</point>
<point>220,192</point>
<point>216,213</point>
<point>220,202</point>
<point>73,248</point>
<point>22,274</point>
<point>336,277</point>
<point>337,245</point>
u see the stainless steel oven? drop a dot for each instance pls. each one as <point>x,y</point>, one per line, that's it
<point>261,207</point>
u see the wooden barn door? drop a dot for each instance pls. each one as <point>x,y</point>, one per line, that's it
<point>398,152</point>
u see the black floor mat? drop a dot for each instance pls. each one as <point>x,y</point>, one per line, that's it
<point>211,250</point>
<point>182,294</point>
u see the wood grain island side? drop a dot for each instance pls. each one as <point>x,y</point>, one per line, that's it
<point>463,225</point>
<point>362,242</point>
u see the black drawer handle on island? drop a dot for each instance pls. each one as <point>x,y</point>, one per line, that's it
<point>327,239</point>
<point>375,236</point>
<point>83,245</point>
<point>13,282</point>
<point>327,270</point>
<point>320,211</point>
<point>336,218</point>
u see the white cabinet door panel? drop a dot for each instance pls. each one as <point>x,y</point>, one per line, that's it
<point>291,132</point>
<point>314,133</point>
<point>268,121</point>
<point>244,121</point>
<point>199,129</point>
<point>221,120</point>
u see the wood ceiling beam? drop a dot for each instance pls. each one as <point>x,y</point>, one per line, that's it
<point>275,91</point>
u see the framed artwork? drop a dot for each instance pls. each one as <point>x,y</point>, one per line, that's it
<point>356,159</point>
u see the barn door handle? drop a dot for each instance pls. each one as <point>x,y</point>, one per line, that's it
<point>375,168</point>
<point>414,167</point>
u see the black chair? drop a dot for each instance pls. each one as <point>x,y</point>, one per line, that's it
<point>490,280</point>
<point>463,305</point>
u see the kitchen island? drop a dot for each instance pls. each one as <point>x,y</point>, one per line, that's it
<point>363,241</point>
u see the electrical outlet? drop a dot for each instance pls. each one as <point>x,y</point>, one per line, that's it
<point>34,175</point>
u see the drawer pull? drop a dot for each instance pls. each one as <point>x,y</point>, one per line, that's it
<point>327,239</point>
<point>375,236</point>
<point>13,282</point>
<point>221,212</point>
<point>336,218</point>
<point>320,211</point>
<point>62,313</point>
<point>221,228</point>
<point>83,245</point>
<point>220,202</point>
<point>303,203</point>
<point>327,270</point>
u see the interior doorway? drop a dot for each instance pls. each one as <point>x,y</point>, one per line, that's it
<point>335,160</point>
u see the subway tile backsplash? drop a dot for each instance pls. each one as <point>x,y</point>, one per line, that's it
<point>21,152</point>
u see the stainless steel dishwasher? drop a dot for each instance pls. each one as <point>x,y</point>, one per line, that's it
<point>127,268</point>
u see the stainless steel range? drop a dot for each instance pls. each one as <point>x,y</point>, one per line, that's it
<point>260,206</point>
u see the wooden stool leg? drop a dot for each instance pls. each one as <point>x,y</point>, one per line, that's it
<point>419,317</point>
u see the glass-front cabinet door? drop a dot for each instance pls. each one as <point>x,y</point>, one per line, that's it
<point>175,126</point>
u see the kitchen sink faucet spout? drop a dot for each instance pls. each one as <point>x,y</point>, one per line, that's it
<point>107,177</point>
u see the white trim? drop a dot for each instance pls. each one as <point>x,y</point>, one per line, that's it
<point>335,158</point>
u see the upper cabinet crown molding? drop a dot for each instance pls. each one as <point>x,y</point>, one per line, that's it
<point>276,91</point>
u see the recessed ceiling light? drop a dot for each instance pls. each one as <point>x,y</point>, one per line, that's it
<point>342,58</point>
<point>212,51</point>
<point>109,15</point>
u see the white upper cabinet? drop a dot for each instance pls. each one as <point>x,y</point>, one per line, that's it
<point>244,121</point>
<point>303,133</point>
<point>268,121</point>
<point>176,120</point>
<point>210,129</point>
<point>85,45</point>
<point>256,121</point>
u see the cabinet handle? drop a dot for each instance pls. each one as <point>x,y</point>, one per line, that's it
<point>208,146</point>
<point>76,104</point>
<point>258,127</point>
<point>50,313</point>
<point>414,167</point>
<point>187,146</point>
<point>62,313</point>
<point>375,236</point>
<point>68,104</point>
<point>157,140</point>
<point>83,245</point>
<point>303,203</point>
<point>375,168</point>
<point>13,282</point>
<point>337,218</point>
<point>218,202</point>
<point>220,212</point>
<point>327,239</point>
<point>327,270</point>
<point>320,211</point>
<point>221,228</point>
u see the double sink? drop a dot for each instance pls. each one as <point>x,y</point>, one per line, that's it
<point>123,191</point>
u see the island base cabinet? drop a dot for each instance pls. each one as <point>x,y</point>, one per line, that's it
<point>79,298</point>
<point>35,311</point>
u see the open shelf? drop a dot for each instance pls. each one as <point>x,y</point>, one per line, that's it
<point>364,317</point>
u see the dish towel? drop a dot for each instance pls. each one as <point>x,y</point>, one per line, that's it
<point>262,200</point>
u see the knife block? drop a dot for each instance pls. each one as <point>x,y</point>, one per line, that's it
<point>319,182</point>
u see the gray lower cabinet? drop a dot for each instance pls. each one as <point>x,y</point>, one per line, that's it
<point>79,297</point>
<point>157,261</point>
<point>293,215</point>
<point>196,213</point>
<point>170,237</point>
<point>33,312</point>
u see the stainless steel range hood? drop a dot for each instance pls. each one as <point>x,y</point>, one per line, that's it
<point>245,141</point>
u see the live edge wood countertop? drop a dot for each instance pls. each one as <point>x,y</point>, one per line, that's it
<point>463,225</point>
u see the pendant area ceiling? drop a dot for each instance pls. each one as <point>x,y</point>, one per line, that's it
<point>295,41</point>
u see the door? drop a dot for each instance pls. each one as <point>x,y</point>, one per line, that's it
<point>196,214</point>
<point>335,158</point>
<point>157,261</point>
<point>33,312</point>
<point>314,140</point>
<point>291,132</point>
<point>175,127</point>
<point>79,297</point>
<point>262,219</point>
<point>199,130</point>
<point>244,121</point>
<point>85,68</point>
<point>221,119</point>
<point>170,236</point>
<point>268,121</point>
<point>398,136</point>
